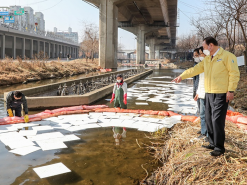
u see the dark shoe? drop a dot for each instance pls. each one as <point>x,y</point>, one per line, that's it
<point>199,132</point>
<point>206,139</point>
<point>216,153</point>
<point>201,136</point>
<point>210,147</point>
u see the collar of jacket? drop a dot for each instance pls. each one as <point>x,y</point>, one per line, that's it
<point>216,56</point>
<point>121,83</point>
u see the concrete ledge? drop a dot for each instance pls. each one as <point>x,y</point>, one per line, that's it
<point>50,102</point>
<point>50,87</point>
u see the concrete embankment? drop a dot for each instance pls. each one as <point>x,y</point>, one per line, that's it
<point>49,102</point>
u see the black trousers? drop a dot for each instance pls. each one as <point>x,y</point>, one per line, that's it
<point>17,111</point>
<point>215,113</point>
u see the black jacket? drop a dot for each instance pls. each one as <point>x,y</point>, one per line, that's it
<point>10,99</point>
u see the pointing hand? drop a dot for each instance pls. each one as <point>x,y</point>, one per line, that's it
<point>177,80</point>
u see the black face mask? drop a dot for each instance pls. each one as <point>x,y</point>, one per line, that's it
<point>18,100</point>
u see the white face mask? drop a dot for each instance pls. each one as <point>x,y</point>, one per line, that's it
<point>197,59</point>
<point>206,52</point>
<point>119,81</point>
<point>201,58</point>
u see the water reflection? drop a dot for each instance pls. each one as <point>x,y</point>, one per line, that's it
<point>119,134</point>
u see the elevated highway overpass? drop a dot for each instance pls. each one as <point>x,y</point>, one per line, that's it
<point>15,43</point>
<point>154,22</point>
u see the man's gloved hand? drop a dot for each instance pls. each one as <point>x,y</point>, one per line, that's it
<point>125,99</point>
<point>10,112</point>
<point>112,98</point>
<point>26,118</point>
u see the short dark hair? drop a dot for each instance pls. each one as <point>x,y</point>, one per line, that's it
<point>196,50</point>
<point>120,76</point>
<point>17,94</point>
<point>210,40</point>
<point>200,48</point>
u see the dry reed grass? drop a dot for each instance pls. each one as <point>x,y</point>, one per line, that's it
<point>18,71</point>
<point>184,65</point>
<point>240,102</point>
<point>186,162</point>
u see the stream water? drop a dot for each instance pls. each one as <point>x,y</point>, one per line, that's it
<point>95,159</point>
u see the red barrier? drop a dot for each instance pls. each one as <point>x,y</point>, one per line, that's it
<point>189,118</point>
<point>163,113</point>
<point>173,113</point>
<point>231,113</point>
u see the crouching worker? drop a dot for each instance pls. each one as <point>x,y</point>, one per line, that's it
<point>119,95</point>
<point>14,100</point>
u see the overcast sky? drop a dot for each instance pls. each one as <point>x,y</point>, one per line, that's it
<point>71,13</point>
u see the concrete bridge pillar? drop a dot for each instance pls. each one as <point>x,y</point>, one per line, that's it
<point>44,49</point>
<point>31,48</point>
<point>53,50</point>
<point>157,56</point>
<point>23,47</point>
<point>57,52</point>
<point>152,49</point>
<point>38,50</point>
<point>3,47</point>
<point>172,56</point>
<point>108,34</point>
<point>14,47</point>
<point>140,53</point>
<point>49,50</point>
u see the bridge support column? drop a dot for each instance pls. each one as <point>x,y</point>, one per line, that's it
<point>49,50</point>
<point>31,48</point>
<point>38,50</point>
<point>57,51</point>
<point>14,47</point>
<point>152,49</point>
<point>44,49</point>
<point>157,56</point>
<point>108,32</point>
<point>23,48</point>
<point>140,53</point>
<point>53,50</point>
<point>172,56</point>
<point>3,47</point>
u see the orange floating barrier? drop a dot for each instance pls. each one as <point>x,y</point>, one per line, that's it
<point>163,113</point>
<point>231,113</point>
<point>189,118</point>
<point>173,113</point>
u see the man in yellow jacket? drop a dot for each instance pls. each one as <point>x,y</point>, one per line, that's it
<point>221,79</point>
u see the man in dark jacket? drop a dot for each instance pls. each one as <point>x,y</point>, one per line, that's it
<point>14,100</point>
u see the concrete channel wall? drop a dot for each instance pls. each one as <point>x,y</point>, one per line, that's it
<point>50,87</point>
<point>50,102</point>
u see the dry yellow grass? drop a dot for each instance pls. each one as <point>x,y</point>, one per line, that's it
<point>18,71</point>
<point>186,162</point>
<point>240,102</point>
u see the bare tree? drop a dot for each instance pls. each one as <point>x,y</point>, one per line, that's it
<point>187,43</point>
<point>90,40</point>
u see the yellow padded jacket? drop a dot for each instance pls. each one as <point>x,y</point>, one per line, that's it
<point>221,73</point>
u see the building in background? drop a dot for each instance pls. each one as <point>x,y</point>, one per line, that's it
<point>39,18</point>
<point>18,18</point>
<point>27,20</point>
<point>70,35</point>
